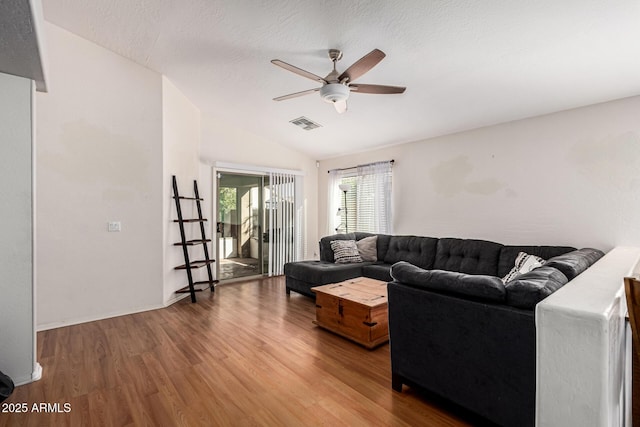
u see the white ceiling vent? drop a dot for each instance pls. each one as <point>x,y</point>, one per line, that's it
<point>305,123</point>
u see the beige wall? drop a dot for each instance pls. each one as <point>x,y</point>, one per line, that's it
<point>180,145</point>
<point>565,178</point>
<point>222,142</point>
<point>99,159</point>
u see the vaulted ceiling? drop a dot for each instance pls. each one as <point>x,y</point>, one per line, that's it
<point>466,63</point>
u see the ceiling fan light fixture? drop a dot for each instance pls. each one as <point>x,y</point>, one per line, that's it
<point>334,92</point>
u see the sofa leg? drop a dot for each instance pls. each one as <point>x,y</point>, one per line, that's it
<point>396,382</point>
<point>288,291</point>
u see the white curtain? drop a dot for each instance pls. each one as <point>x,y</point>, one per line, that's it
<point>374,198</point>
<point>333,202</point>
<point>286,216</point>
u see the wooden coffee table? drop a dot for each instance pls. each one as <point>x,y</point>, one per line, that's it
<point>355,309</point>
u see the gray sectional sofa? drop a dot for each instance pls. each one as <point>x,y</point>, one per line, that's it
<point>456,329</point>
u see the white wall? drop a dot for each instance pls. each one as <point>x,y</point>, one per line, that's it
<point>223,143</point>
<point>17,358</point>
<point>99,132</point>
<point>562,179</point>
<point>181,144</point>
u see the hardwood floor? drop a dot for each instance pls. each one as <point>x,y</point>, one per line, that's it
<point>246,355</point>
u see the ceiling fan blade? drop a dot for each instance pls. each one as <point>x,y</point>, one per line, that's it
<point>379,89</point>
<point>363,65</point>
<point>295,95</point>
<point>298,71</point>
<point>341,106</point>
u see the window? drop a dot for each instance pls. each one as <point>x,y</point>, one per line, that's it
<point>348,210</point>
<point>366,203</point>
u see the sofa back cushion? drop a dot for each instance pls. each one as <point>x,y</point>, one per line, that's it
<point>528,289</point>
<point>468,256</point>
<point>573,263</point>
<point>508,255</point>
<point>383,246</point>
<point>420,251</point>
<point>482,287</point>
<point>326,253</point>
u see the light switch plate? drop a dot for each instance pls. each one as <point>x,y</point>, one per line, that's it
<point>114,226</point>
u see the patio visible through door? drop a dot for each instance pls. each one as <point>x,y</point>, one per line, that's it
<point>240,225</point>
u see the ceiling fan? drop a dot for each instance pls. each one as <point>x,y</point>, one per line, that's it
<point>337,87</point>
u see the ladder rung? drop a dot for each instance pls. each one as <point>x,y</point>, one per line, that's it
<point>188,198</point>
<point>206,282</point>
<point>186,289</point>
<point>191,220</point>
<point>196,264</point>
<point>192,242</point>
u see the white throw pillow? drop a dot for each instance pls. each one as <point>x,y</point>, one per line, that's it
<point>524,264</point>
<point>345,251</point>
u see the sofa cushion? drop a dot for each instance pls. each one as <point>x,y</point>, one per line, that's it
<point>528,289</point>
<point>508,255</point>
<point>468,256</point>
<point>383,246</point>
<point>418,251</point>
<point>378,272</point>
<point>345,251</point>
<point>573,263</point>
<point>488,288</point>
<point>368,248</point>
<point>322,272</point>
<point>326,253</point>
<point>524,264</point>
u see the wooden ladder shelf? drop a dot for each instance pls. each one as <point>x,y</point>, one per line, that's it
<point>189,264</point>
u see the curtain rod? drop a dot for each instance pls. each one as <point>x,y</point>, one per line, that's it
<point>366,164</point>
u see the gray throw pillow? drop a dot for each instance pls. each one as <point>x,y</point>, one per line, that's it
<point>345,251</point>
<point>368,248</point>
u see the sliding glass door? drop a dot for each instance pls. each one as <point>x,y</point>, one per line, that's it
<point>259,223</point>
<point>240,225</point>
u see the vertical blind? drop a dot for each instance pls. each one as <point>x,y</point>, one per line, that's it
<point>285,216</point>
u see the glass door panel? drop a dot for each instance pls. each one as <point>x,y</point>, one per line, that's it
<point>240,225</point>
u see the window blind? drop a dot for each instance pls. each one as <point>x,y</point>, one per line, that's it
<point>368,200</point>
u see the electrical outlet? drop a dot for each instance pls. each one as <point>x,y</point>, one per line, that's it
<point>114,226</point>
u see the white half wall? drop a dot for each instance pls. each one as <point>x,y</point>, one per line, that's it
<point>580,341</point>
<point>180,147</point>
<point>17,332</point>
<point>221,142</point>
<point>99,132</point>
<point>567,178</point>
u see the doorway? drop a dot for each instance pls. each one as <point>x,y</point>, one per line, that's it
<point>240,225</point>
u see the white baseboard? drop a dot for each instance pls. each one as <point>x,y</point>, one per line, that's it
<point>35,376</point>
<point>37,372</point>
<point>54,325</point>
<point>70,322</point>
<point>175,299</point>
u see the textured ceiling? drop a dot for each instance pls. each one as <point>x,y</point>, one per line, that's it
<point>465,63</point>
<point>20,45</point>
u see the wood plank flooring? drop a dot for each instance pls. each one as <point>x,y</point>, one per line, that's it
<point>246,355</point>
